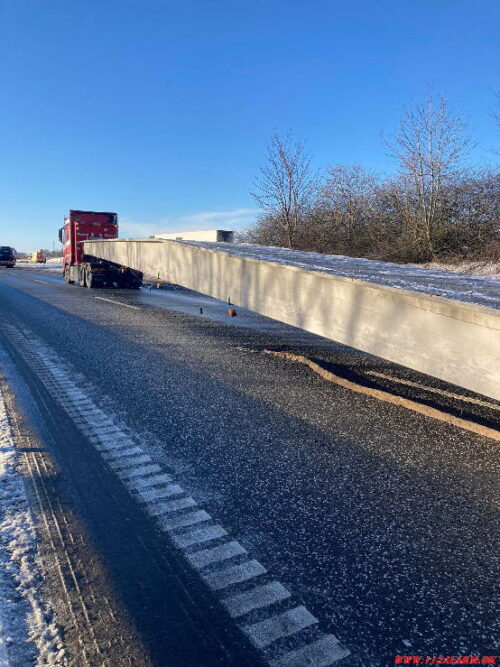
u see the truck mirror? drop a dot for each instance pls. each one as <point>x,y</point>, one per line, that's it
<point>60,235</point>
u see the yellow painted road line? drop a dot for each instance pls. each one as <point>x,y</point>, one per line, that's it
<point>442,392</point>
<point>385,396</point>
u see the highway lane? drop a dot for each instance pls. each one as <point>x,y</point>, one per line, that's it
<point>379,520</point>
<point>121,596</point>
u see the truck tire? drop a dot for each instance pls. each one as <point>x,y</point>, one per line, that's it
<point>89,280</point>
<point>66,276</point>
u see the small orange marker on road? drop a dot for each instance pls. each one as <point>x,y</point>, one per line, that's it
<point>232,312</point>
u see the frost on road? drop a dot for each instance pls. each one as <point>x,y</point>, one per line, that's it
<point>28,633</point>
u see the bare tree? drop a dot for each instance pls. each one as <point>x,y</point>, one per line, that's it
<point>429,146</point>
<point>348,201</point>
<point>473,228</point>
<point>495,114</point>
<point>286,184</point>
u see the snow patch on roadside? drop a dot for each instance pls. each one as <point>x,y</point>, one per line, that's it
<point>490,269</point>
<point>28,632</point>
<point>52,265</point>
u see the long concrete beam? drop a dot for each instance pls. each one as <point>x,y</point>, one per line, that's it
<point>455,341</point>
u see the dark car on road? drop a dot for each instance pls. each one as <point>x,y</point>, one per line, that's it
<point>7,256</point>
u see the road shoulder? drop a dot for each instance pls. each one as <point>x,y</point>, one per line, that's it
<point>28,629</point>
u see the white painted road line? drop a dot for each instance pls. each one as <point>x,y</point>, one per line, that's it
<point>101,432</point>
<point>76,393</point>
<point>100,422</point>
<point>260,596</point>
<point>142,471</point>
<point>139,483</point>
<point>283,625</point>
<point>234,574</point>
<point>199,536</point>
<point>121,453</point>
<point>158,494</point>
<point>118,303</point>
<point>110,440</point>
<point>109,443</point>
<point>106,431</point>
<point>131,462</point>
<point>321,653</point>
<point>84,407</point>
<point>166,507</point>
<point>189,519</point>
<point>434,390</point>
<point>90,413</point>
<point>223,552</point>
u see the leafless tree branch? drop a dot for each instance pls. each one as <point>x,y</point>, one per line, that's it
<point>286,183</point>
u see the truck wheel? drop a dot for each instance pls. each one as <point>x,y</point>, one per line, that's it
<point>66,276</point>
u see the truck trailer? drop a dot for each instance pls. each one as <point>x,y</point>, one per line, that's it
<point>86,270</point>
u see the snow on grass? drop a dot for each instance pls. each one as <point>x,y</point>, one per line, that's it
<point>488,268</point>
<point>28,633</point>
<point>52,265</point>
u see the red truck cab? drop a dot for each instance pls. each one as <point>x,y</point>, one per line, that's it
<point>80,226</point>
<point>84,225</point>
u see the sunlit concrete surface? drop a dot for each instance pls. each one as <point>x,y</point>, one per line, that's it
<point>453,340</point>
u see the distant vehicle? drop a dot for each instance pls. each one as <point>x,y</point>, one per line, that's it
<point>38,257</point>
<point>86,270</point>
<point>7,256</point>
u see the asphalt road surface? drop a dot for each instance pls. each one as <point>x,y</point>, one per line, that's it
<point>345,530</point>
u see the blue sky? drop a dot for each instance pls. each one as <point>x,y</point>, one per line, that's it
<point>160,110</point>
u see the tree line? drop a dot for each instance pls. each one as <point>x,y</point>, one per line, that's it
<point>433,207</point>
